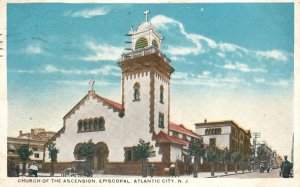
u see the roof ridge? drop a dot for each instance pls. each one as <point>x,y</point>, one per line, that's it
<point>107,99</point>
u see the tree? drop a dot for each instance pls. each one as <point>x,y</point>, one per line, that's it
<point>225,157</point>
<point>211,156</point>
<point>235,158</point>
<point>143,151</point>
<point>88,151</point>
<point>53,156</point>
<point>24,153</point>
<point>196,149</point>
<point>245,162</point>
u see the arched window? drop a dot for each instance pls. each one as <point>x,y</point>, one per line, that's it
<point>206,131</point>
<point>85,126</point>
<point>136,91</point>
<point>95,124</point>
<point>80,126</point>
<point>102,124</point>
<point>90,125</point>
<point>161,94</point>
<point>154,43</point>
<point>141,43</point>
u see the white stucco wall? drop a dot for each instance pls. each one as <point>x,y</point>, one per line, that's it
<point>111,136</point>
<point>222,140</point>
<point>175,152</point>
<point>159,107</point>
<point>137,113</point>
<point>119,132</point>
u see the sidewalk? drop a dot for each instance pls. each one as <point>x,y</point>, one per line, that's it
<point>200,175</point>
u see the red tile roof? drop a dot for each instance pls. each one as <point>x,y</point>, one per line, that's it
<point>163,137</point>
<point>111,103</point>
<point>182,129</point>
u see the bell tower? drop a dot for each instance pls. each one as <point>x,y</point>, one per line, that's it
<point>146,75</point>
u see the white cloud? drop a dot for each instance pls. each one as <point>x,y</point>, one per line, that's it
<point>221,54</point>
<point>274,54</point>
<point>105,70</point>
<point>25,71</point>
<point>243,67</point>
<point>179,75</point>
<point>224,47</point>
<point>33,50</point>
<point>183,78</point>
<point>259,80</point>
<point>88,13</point>
<point>196,44</point>
<point>206,73</point>
<point>281,83</point>
<point>103,52</point>
<point>162,21</point>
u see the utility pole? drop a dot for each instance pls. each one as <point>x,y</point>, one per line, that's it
<point>255,136</point>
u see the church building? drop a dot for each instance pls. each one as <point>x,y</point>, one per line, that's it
<point>143,114</point>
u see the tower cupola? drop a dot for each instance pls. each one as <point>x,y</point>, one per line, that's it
<point>145,35</point>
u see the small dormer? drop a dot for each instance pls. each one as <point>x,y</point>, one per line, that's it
<point>145,35</point>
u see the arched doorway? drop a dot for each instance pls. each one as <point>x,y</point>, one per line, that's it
<point>100,159</point>
<point>76,152</point>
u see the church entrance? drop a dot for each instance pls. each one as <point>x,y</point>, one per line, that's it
<point>76,152</point>
<point>100,159</point>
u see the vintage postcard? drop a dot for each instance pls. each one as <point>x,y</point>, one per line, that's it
<point>142,94</point>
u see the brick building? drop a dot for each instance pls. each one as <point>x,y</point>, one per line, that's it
<point>224,134</point>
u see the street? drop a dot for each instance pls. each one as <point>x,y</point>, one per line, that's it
<point>273,174</point>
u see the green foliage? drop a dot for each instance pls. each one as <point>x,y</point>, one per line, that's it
<point>196,148</point>
<point>88,150</point>
<point>245,158</point>
<point>143,150</point>
<point>211,155</point>
<point>225,155</point>
<point>24,152</point>
<point>52,152</point>
<point>236,157</point>
<point>262,153</point>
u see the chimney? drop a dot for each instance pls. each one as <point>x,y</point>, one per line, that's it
<point>205,120</point>
<point>20,133</point>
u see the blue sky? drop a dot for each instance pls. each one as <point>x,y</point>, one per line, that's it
<point>232,61</point>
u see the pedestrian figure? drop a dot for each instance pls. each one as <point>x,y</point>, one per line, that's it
<point>190,168</point>
<point>172,169</point>
<point>176,172</point>
<point>152,168</point>
<point>17,169</point>
<point>34,169</point>
<point>286,168</point>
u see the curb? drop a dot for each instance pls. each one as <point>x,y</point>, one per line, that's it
<point>229,174</point>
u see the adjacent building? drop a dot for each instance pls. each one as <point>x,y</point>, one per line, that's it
<point>35,139</point>
<point>222,134</point>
